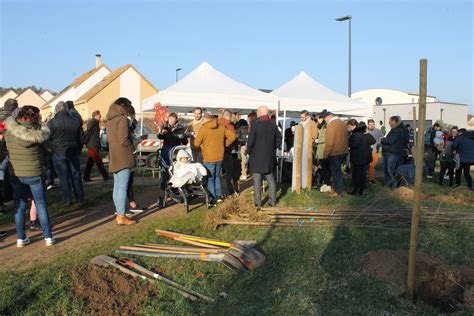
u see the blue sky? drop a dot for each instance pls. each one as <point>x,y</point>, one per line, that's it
<point>260,43</point>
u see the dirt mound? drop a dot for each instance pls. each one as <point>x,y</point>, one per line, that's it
<point>436,282</point>
<point>402,193</point>
<point>234,208</point>
<point>110,291</point>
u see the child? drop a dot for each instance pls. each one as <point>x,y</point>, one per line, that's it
<point>185,172</point>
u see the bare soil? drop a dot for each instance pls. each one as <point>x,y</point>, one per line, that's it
<point>108,291</point>
<point>84,228</point>
<point>447,287</point>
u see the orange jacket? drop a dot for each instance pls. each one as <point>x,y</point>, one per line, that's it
<point>213,138</point>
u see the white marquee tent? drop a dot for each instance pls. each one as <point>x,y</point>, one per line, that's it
<point>206,87</point>
<point>303,92</point>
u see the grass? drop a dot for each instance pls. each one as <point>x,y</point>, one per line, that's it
<point>309,271</point>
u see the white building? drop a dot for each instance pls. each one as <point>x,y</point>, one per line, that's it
<point>390,102</point>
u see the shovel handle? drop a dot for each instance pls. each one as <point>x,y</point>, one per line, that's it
<point>137,275</point>
<point>167,281</point>
<point>182,237</point>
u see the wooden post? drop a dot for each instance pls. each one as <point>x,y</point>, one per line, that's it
<point>414,129</point>
<point>418,181</point>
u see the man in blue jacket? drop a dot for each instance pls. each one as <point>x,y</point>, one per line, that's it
<point>393,151</point>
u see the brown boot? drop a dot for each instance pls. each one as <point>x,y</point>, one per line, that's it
<point>124,220</point>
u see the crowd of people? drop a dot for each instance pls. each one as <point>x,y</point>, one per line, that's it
<point>33,152</point>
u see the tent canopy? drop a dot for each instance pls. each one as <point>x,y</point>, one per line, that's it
<point>303,92</point>
<point>206,87</point>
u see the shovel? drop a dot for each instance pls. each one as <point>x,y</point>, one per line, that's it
<point>224,258</point>
<point>250,257</point>
<point>165,280</point>
<point>104,261</point>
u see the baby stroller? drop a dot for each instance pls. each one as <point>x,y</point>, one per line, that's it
<point>166,160</point>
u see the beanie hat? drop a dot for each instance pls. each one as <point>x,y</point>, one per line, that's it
<point>181,154</point>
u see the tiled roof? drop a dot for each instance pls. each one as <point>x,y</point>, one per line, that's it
<point>103,83</point>
<point>77,82</point>
<point>108,80</point>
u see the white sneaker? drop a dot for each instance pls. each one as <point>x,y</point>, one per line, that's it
<point>429,177</point>
<point>325,188</point>
<point>49,187</point>
<point>49,241</point>
<point>136,210</point>
<point>22,242</point>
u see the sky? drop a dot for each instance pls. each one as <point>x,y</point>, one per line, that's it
<point>260,43</point>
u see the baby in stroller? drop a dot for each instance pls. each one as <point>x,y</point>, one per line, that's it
<point>185,172</point>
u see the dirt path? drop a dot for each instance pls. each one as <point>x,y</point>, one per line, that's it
<point>77,230</point>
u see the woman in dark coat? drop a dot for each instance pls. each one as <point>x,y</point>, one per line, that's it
<point>361,155</point>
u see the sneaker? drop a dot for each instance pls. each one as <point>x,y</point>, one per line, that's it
<point>325,188</point>
<point>49,187</point>
<point>49,241</point>
<point>35,226</point>
<point>429,177</point>
<point>22,242</point>
<point>136,210</point>
<point>212,203</point>
<point>220,199</point>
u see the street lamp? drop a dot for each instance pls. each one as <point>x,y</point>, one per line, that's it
<point>384,113</point>
<point>441,114</point>
<point>177,70</point>
<point>341,19</point>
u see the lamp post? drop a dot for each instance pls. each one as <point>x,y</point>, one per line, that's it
<point>441,114</point>
<point>177,70</point>
<point>341,19</point>
<point>384,112</point>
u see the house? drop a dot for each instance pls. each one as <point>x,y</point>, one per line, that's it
<point>29,97</point>
<point>10,94</point>
<point>47,96</point>
<point>125,81</point>
<point>391,102</point>
<point>79,86</point>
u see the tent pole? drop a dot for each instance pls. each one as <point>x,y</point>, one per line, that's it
<point>283,144</point>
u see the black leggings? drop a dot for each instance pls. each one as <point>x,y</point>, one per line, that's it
<point>447,166</point>
<point>325,171</point>
<point>130,193</point>
<point>359,177</point>
<point>466,169</point>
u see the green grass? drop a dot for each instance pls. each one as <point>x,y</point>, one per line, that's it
<point>308,270</point>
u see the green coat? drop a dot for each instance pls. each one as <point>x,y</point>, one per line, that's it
<point>26,147</point>
<point>321,142</point>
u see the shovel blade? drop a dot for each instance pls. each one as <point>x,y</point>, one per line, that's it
<point>102,260</point>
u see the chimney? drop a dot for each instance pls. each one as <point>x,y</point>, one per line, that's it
<point>98,60</point>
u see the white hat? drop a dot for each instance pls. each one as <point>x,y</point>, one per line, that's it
<point>181,154</point>
<point>470,125</point>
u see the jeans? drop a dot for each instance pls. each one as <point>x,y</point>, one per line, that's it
<point>214,179</point>
<point>257,188</point>
<point>93,156</point>
<point>335,164</point>
<point>22,187</point>
<point>119,196</point>
<point>49,173</point>
<point>391,163</point>
<point>68,168</point>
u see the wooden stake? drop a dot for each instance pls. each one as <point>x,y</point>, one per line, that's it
<point>418,180</point>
